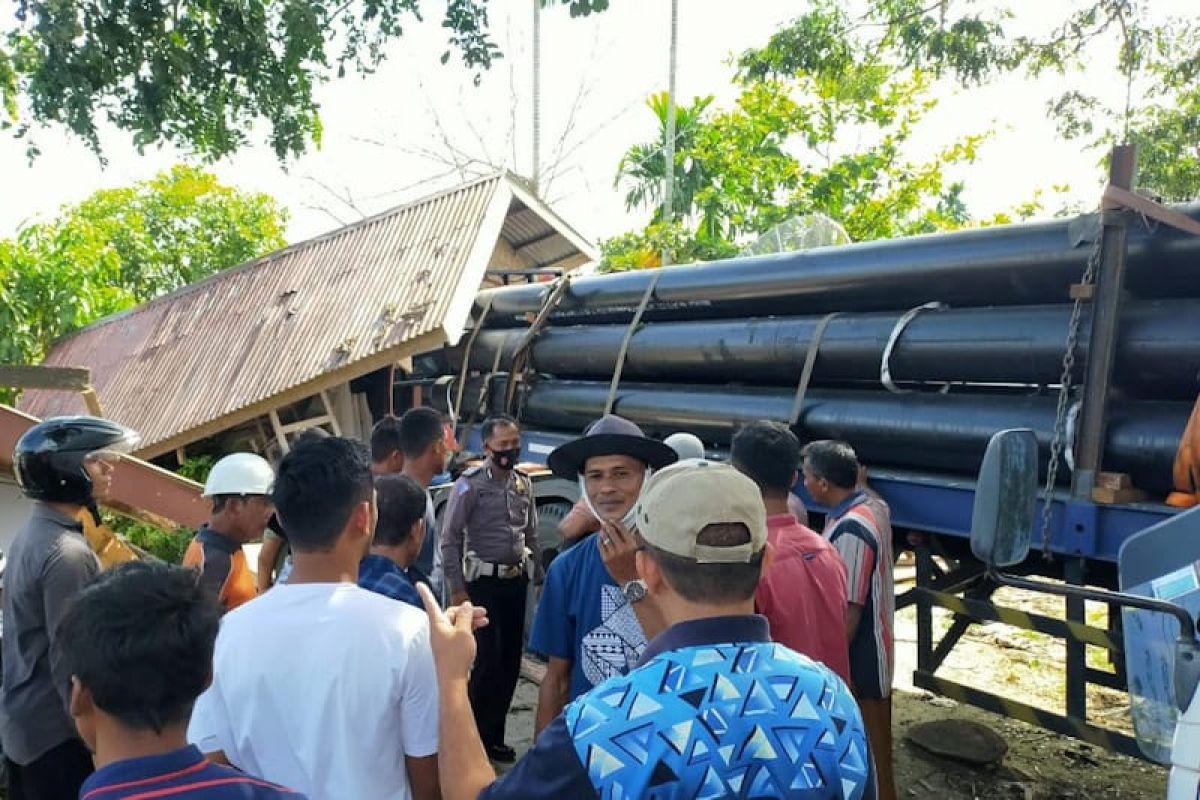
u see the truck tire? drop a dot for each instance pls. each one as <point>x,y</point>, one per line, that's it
<point>549,539</point>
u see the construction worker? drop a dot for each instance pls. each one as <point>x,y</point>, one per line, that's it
<point>489,538</point>
<point>240,487</point>
<point>66,465</point>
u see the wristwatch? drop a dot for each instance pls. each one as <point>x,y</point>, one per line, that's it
<point>634,591</point>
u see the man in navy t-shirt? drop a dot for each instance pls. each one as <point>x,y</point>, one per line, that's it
<point>584,623</point>
<point>137,646</point>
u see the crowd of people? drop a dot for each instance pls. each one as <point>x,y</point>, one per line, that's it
<point>700,640</point>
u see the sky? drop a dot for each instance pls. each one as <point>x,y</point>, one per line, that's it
<point>387,135</point>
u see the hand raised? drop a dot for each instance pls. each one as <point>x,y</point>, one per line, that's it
<point>452,635</point>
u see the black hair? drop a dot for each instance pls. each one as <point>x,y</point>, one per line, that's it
<point>712,583</point>
<point>834,461</point>
<point>316,489</point>
<point>420,427</point>
<point>140,638</point>
<point>313,434</point>
<point>768,453</point>
<point>401,503</point>
<point>491,423</point>
<point>385,438</point>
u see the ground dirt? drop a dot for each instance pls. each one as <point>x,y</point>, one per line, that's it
<point>1025,666</point>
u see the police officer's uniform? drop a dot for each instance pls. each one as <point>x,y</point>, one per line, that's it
<point>489,546</point>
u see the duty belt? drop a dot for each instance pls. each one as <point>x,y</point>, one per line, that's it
<point>490,570</point>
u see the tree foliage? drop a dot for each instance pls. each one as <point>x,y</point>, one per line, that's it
<point>782,151</point>
<point>199,74</point>
<point>957,39</point>
<point>121,247</point>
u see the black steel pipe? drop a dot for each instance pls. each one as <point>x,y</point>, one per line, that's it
<point>1005,265</point>
<point>1158,356</point>
<point>917,430</point>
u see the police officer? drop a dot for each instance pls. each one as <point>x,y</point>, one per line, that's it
<point>66,464</point>
<point>489,538</point>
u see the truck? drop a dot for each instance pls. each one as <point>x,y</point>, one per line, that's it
<point>916,351</point>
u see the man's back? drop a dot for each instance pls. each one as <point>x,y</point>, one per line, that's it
<point>803,594</point>
<point>751,719</point>
<point>325,688</point>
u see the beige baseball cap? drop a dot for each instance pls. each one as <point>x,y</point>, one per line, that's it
<point>681,500</point>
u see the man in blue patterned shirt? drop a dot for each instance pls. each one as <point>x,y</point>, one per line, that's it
<point>713,709</point>
<point>390,568</point>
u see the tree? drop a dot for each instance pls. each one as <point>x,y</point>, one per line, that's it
<point>200,74</point>
<point>957,39</point>
<point>121,247</point>
<point>780,152</point>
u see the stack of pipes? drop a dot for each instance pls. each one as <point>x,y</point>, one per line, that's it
<point>935,342</point>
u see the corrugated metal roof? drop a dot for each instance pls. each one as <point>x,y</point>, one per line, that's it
<point>211,354</point>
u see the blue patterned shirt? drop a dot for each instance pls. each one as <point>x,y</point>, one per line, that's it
<point>714,709</point>
<point>383,576</point>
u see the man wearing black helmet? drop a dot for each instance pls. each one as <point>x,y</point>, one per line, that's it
<point>66,466</point>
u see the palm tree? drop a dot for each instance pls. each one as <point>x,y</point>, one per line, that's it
<point>643,165</point>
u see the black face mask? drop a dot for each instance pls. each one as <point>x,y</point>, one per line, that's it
<point>506,459</point>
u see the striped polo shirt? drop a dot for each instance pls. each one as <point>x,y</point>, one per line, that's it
<point>183,773</point>
<point>863,537</point>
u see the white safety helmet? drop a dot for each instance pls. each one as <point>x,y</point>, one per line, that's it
<point>687,445</point>
<point>238,474</point>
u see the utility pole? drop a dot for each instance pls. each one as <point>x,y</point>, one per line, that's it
<point>669,149</point>
<point>535,174</point>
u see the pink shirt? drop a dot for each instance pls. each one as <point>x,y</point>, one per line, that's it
<point>803,594</point>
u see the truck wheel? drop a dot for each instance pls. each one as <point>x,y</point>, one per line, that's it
<point>549,539</point>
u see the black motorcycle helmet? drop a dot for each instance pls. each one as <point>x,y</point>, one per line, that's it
<point>49,457</point>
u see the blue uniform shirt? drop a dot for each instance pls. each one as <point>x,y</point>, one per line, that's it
<point>714,710</point>
<point>383,576</point>
<point>583,618</point>
<point>184,773</point>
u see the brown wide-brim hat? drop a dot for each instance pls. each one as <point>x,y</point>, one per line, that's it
<point>609,436</point>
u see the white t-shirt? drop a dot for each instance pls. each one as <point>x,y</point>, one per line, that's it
<point>323,688</point>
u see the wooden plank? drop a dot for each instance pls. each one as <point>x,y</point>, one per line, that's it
<point>1114,480</point>
<point>92,401</point>
<point>1102,494</point>
<point>136,485</point>
<point>23,376</point>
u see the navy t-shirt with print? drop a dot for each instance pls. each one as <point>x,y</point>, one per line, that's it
<point>582,617</point>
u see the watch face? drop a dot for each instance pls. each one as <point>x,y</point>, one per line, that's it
<point>634,591</point>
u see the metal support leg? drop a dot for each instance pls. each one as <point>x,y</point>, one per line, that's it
<point>925,573</point>
<point>1074,572</point>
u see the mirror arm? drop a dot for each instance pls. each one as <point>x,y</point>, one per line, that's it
<point>1187,628</point>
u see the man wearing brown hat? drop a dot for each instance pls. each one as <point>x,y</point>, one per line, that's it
<point>585,623</point>
<point>712,709</point>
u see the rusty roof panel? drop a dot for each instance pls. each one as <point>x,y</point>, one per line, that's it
<point>257,330</point>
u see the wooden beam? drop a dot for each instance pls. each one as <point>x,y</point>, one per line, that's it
<point>136,484</point>
<point>92,401</point>
<point>23,376</point>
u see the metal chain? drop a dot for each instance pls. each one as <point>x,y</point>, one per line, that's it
<point>1058,441</point>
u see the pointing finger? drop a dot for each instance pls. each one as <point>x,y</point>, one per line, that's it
<point>431,604</point>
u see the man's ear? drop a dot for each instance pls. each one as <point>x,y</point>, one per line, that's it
<point>796,478</point>
<point>362,520</point>
<point>81,702</point>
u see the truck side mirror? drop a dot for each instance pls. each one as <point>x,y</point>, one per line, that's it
<point>1005,507</point>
